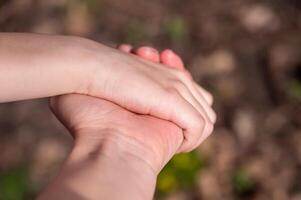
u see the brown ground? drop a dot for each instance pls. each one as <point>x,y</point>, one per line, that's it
<point>247,53</point>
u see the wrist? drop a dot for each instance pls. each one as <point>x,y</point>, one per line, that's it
<point>88,59</point>
<point>120,160</point>
<point>98,166</point>
<point>117,159</point>
<point>112,144</point>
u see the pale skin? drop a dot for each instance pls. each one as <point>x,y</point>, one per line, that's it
<point>35,66</point>
<point>117,154</point>
<point>109,136</point>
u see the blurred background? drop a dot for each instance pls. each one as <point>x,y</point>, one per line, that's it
<point>246,52</point>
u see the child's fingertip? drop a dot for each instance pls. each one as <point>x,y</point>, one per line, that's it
<point>125,48</point>
<point>148,53</point>
<point>170,58</point>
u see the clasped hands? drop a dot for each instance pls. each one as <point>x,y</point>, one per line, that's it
<point>113,143</point>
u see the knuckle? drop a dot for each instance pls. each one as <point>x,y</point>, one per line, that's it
<point>203,127</point>
<point>199,127</point>
<point>210,97</point>
<point>179,85</point>
<point>200,123</point>
<point>214,116</point>
<point>181,74</point>
<point>185,77</point>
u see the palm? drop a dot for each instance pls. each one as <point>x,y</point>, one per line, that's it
<point>79,112</point>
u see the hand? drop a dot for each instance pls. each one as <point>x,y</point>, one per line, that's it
<point>152,140</point>
<point>170,59</point>
<point>147,87</point>
<point>90,112</point>
<point>112,135</point>
<point>114,150</point>
<point>35,66</point>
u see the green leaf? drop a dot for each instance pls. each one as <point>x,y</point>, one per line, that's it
<point>13,184</point>
<point>167,181</point>
<point>181,171</point>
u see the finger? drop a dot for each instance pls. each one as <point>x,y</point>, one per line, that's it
<point>169,58</point>
<point>204,112</point>
<point>207,107</point>
<point>194,124</point>
<point>198,103</point>
<point>148,53</point>
<point>205,93</point>
<point>125,48</point>
<point>204,124</point>
<point>198,96</point>
<point>174,59</point>
<point>203,103</point>
<point>204,136</point>
<point>207,132</point>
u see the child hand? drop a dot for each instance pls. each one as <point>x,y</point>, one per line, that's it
<point>169,59</point>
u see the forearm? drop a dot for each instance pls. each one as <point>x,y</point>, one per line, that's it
<point>34,66</point>
<point>103,169</point>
